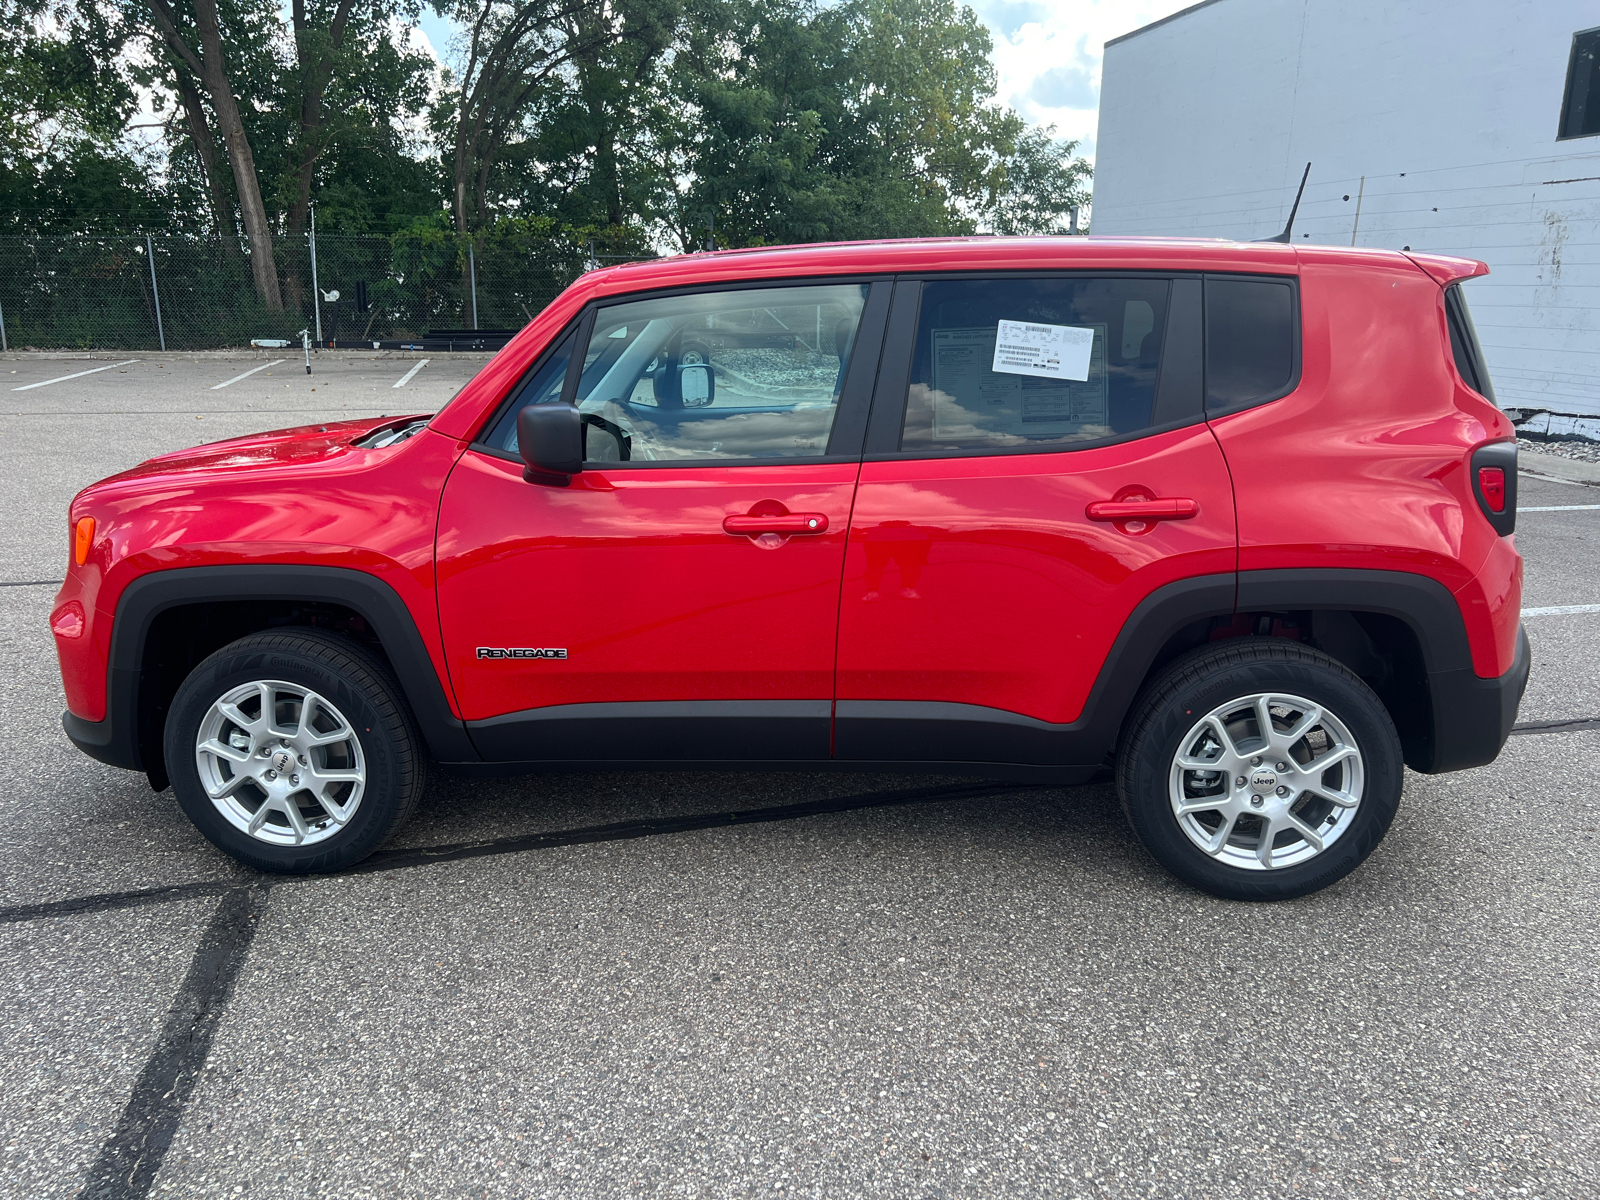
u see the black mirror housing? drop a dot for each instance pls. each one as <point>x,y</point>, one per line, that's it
<point>550,440</point>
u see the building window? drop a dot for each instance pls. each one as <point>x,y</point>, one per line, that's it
<point>1580,110</point>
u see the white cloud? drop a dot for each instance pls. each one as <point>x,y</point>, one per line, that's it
<point>1047,55</point>
<point>436,32</point>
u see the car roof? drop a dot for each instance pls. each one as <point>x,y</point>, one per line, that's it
<point>968,254</point>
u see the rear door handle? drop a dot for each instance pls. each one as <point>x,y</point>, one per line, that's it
<point>784,523</point>
<point>1179,509</point>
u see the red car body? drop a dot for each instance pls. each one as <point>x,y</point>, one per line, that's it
<point>961,610</point>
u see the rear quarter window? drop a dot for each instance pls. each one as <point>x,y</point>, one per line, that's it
<point>1252,342</point>
<point>1464,345</point>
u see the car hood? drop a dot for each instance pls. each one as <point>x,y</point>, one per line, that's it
<point>302,446</point>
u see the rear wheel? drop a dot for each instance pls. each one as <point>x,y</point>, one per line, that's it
<point>1260,770</point>
<point>293,752</point>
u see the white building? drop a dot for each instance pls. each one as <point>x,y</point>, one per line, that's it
<point>1465,127</point>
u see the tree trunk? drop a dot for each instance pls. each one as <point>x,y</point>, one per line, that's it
<point>206,149</point>
<point>605,169</point>
<point>316,68</point>
<point>246,184</point>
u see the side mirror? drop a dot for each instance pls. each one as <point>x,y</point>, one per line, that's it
<point>697,385</point>
<point>550,440</point>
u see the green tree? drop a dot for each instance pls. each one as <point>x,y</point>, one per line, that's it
<point>194,38</point>
<point>65,98</point>
<point>619,121</point>
<point>869,118</point>
<point>514,55</point>
<point>598,151</point>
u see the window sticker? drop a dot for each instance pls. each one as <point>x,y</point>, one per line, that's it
<point>1048,351</point>
<point>972,398</point>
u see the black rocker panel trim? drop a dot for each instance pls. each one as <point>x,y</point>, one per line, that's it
<point>1022,773</point>
<point>115,739</point>
<point>633,733</point>
<point>939,732</point>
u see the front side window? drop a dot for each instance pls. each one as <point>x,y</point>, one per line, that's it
<point>740,374</point>
<point>1580,106</point>
<point>542,385</point>
<point>1047,363</point>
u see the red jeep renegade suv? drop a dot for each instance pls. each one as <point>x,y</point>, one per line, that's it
<point>1230,520</point>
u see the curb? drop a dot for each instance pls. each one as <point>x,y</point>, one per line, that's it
<point>1554,466</point>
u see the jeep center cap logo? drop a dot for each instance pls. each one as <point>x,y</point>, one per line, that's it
<point>1262,782</point>
<point>282,760</point>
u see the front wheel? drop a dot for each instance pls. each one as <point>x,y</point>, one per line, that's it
<point>1260,770</point>
<point>293,751</point>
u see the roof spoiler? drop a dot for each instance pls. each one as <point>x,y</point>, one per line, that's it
<point>1289,224</point>
<point>1447,269</point>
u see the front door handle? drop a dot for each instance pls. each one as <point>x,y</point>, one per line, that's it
<point>784,523</point>
<point>1177,509</point>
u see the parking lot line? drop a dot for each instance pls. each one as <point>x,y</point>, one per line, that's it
<point>406,378</point>
<point>248,373</point>
<point>1561,610</point>
<point>75,375</point>
<point>1557,508</point>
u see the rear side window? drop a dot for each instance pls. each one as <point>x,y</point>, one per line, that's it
<point>1023,364</point>
<point>1250,341</point>
<point>1464,345</point>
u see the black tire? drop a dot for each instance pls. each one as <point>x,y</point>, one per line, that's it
<point>1206,679</point>
<point>359,685</point>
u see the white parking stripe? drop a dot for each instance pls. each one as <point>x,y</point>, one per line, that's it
<point>406,378</point>
<point>75,375</point>
<point>247,374</point>
<point>1561,610</point>
<point>1558,508</point>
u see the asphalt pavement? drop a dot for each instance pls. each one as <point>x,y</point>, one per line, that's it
<point>708,985</point>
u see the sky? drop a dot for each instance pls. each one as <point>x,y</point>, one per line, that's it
<point>1047,54</point>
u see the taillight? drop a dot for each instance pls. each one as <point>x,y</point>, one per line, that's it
<point>1494,483</point>
<point>82,539</point>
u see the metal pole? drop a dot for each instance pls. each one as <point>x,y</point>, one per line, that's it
<point>1072,221</point>
<point>1360,192</point>
<point>316,294</point>
<point>4,347</point>
<point>161,333</point>
<point>472,272</point>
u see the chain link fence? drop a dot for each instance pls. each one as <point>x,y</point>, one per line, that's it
<point>171,291</point>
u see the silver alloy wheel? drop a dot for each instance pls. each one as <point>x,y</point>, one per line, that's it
<point>281,763</point>
<point>1266,781</point>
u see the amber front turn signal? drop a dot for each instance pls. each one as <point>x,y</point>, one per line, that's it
<point>83,535</point>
